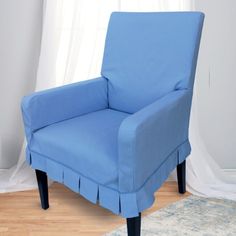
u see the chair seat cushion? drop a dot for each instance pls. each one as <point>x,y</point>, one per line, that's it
<point>87,144</point>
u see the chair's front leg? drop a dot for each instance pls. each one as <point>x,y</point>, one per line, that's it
<point>134,225</point>
<point>181,175</point>
<point>43,188</point>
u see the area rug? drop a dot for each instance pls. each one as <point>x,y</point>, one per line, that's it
<point>192,216</point>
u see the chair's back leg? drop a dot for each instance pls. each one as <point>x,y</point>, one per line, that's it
<point>181,175</point>
<point>43,188</point>
<point>134,225</point>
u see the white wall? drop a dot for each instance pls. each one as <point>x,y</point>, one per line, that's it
<point>20,30</point>
<point>216,80</point>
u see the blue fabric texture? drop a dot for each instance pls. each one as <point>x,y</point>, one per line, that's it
<point>87,141</point>
<point>115,139</point>
<point>47,107</point>
<point>149,54</point>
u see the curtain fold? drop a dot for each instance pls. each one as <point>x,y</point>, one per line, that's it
<point>71,50</point>
<point>204,176</point>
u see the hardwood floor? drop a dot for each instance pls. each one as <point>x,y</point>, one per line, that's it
<point>69,213</point>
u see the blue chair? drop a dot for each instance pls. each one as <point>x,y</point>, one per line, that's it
<point>115,139</point>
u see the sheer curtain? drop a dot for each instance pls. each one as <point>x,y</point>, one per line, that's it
<point>71,50</point>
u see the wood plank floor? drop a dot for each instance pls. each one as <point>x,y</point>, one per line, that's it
<point>69,214</point>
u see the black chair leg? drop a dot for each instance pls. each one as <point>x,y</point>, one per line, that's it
<point>43,188</point>
<point>181,176</point>
<point>134,226</point>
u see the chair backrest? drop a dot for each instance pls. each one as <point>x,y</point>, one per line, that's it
<point>148,55</point>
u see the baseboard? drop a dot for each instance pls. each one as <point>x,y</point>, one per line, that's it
<point>231,172</point>
<point>172,176</point>
<point>2,170</point>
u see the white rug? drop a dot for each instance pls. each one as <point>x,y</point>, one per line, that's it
<point>192,216</point>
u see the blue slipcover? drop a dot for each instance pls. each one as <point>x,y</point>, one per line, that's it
<point>149,54</point>
<point>115,139</point>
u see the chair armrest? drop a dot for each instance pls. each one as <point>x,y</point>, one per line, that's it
<point>147,137</point>
<point>46,107</point>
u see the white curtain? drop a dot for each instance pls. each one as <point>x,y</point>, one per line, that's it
<point>204,176</point>
<point>71,50</point>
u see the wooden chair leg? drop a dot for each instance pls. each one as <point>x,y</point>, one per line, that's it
<point>134,225</point>
<point>181,176</point>
<point>43,188</point>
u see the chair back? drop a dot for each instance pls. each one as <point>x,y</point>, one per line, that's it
<point>148,55</point>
